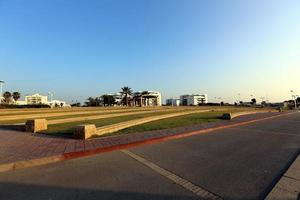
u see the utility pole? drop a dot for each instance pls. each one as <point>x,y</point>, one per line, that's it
<point>51,96</point>
<point>294,98</point>
<point>1,92</point>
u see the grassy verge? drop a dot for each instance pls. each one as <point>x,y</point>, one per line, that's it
<point>174,122</point>
<point>67,128</point>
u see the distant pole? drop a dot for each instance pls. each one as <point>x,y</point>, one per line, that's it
<point>1,85</point>
<point>51,96</point>
<point>1,92</point>
<point>294,98</point>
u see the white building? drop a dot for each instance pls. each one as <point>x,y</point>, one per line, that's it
<point>57,103</point>
<point>19,102</point>
<point>173,102</point>
<point>147,98</point>
<point>193,100</point>
<point>36,99</point>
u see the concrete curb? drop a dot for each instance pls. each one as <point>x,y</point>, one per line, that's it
<point>288,187</point>
<point>73,155</point>
<point>230,116</point>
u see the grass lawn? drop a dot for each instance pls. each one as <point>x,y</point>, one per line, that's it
<point>67,128</point>
<point>181,121</point>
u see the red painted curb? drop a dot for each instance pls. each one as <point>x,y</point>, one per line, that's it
<point>73,155</point>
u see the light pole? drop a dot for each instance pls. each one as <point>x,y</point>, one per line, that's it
<point>1,85</point>
<point>262,99</point>
<point>1,92</point>
<point>239,98</point>
<point>294,97</point>
<point>51,95</point>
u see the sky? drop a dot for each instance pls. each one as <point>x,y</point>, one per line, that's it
<point>82,48</point>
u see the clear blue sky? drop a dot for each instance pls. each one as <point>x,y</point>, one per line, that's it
<point>89,47</point>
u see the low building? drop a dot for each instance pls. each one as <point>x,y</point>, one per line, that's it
<point>36,99</point>
<point>193,99</point>
<point>147,98</point>
<point>57,103</point>
<point>19,102</point>
<point>173,102</point>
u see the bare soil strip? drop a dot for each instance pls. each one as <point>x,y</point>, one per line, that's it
<point>59,110</point>
<point>44,115</point>
<point>75,119</point>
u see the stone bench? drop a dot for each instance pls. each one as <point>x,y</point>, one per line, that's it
<point>36,125</point>
<point>84,131</point>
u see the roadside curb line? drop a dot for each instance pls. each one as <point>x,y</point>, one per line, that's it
<point>288,187</point>
<point>73,155</point>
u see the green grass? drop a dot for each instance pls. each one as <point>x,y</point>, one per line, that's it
<point>67,128</point>
<point>174,122</point>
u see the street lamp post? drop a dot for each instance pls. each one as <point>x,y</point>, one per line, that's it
<point>51,96</point>
<point>1,92</point>
<point>1,85</point>
<point>294,98</point>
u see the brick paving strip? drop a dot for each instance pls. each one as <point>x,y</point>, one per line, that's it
<point>19,150</point>
<point>288,187</point>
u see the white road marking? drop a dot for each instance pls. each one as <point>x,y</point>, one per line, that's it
<point>198,191</point>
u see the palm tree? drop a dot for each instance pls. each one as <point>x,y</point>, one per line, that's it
<point>16,96</point>
<point>126,92</point>
<point>7,97</point>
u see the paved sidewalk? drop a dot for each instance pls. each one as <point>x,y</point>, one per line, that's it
<point>288,186</point>
<point>20,146</point>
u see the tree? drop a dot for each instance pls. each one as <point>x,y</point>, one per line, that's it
<point>76,104</point>
<point>126,93</point>
<point>263,103</point>
<point>16,96</point>
<point>108,100</point>
<point>93,102</point>
<point>253,101</point>
<point>7,97</point>
<point>97,101</point>
<point>90,102</point>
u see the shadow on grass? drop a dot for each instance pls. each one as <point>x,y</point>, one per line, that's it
<point>13,127</point>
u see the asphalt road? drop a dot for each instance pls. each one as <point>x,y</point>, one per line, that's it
<point>238,163</point>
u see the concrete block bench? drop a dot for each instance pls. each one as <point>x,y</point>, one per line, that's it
<point>36,125</point>
<point>84,131</point>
